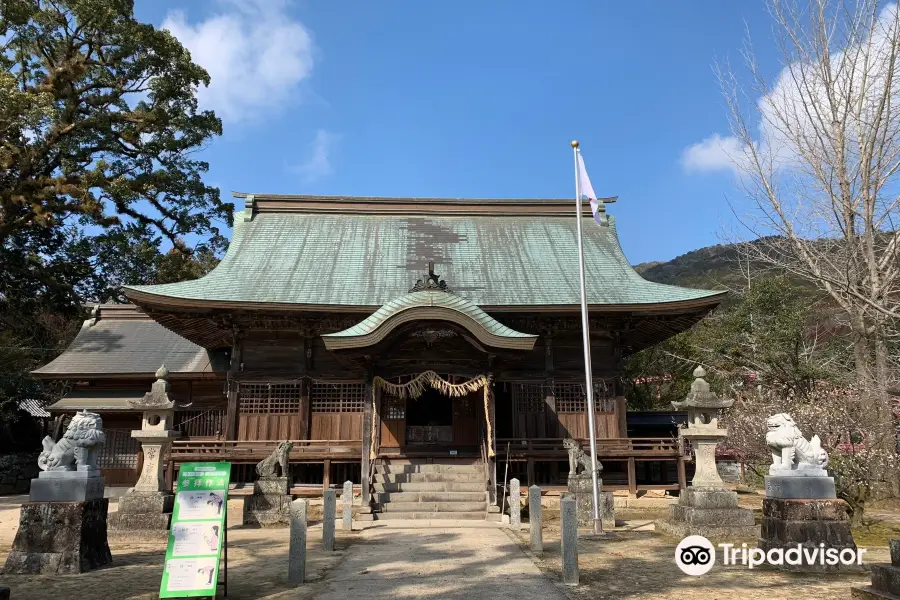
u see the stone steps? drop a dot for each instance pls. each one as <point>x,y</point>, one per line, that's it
<point>449,507</point>
<point>435,486</point>
<point>430,497</point>
<point>428,491</point>
<point>434,516</point>
<point>429,468</point>
<point>453,477</point>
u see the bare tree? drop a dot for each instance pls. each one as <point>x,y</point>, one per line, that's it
<point>817,150</point>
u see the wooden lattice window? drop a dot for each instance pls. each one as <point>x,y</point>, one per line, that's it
<point>571,397</point>
<point>529,397</point>
<point>337,397</point>
<point>394,408</point>
<point>120,450</point>
<point>270,398</point>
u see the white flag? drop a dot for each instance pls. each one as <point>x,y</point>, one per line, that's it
<point>587,190</point>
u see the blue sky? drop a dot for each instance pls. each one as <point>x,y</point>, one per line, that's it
<point>474,99</point>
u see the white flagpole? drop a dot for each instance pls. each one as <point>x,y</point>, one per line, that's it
<point>598,527</point>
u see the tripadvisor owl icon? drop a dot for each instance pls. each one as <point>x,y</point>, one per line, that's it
<point>695,555</point>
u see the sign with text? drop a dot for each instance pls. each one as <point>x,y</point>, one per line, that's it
<point>197,531</point>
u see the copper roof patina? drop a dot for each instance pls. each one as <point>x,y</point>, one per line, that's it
<point>303,251</point>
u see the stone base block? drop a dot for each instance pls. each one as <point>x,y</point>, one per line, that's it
<point>886,578</point>
<point>788,523</point>
<point>272,486</point>
<point>869,593</point>
<point>143,511</point>
<point>145,503</point>
<point>724,532</point>
<point>271,510</point>
<point>799,487</point>
<point>139,522</point>
<point>716,498</point>
<point>710,512</point>
<point>582,487</point>
<point>60,537</point>
<point>66,489</point>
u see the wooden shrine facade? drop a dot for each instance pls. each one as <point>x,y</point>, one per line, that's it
<point>325,314</point>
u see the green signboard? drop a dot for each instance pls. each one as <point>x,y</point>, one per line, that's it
<point>197,534</point>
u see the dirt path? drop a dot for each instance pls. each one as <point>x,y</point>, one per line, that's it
<point>476,564</point>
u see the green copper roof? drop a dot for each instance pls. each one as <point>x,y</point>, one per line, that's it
<point>290,257</point>
<point>430,305</point>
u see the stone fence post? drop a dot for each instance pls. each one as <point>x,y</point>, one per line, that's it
<point>347,502</point>
<point>535,519</point>
<point>328,515</point>
<point>515,503</point>
<point>569,539</point>
<point>297,551</point>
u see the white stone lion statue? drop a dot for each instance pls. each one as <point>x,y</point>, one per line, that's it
<point>77,447</point>
<point>790,450</point>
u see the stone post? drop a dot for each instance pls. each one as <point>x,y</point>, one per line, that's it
<point>149,505</point>
<point>515,503</point>
<point>569,539</point>
<point>535,519</point>
<point>347,501</point>
<point>297,551</point>
<point>328,515</point>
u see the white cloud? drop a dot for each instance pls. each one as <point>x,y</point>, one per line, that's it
<point>255,52</point>
<point>795,116</point>
<point>715,153</point>
<point>319,162</point>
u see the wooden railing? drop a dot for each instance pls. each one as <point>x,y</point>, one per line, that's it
<point>184,450</point>
<point>606,447</point>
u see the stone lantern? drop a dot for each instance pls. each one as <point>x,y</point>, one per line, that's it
<point>706,508</point>
<point>148,506</point>
<point>703,430</point>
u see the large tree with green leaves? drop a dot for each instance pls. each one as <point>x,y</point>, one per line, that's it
<point>99,123</point>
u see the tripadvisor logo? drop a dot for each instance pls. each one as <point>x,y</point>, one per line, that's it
<point>695,555</point>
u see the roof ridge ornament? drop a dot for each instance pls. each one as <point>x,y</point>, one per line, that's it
<point>433,283</point>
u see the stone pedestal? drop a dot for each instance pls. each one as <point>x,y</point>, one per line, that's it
<point>809,523</point>
<point>143,511</point>
<point>67,486</point>
<point>710,512</point>
<point>799,486</point>
<point>60,537</point>
<point>270,504</point>
<point>582,486</point>
<point>885,579</point>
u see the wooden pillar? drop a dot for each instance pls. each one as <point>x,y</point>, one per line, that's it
<point>682,477</point>
<point>233,410</point>
<point>492,466</point>
<point>549,394</point>
<point>530,470</point>
<point>632,478</point>
<point>326,474</point>
<point>170,474</point>
<point>365,463</point>
<point>304,409</point>
<point>622,416</point>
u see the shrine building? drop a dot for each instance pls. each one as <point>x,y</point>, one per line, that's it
<point>388,331</point>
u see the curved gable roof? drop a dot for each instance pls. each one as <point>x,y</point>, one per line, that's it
<point>429,305</point>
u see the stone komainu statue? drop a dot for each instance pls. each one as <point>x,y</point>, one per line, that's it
<point>279,458</point>
<point>77,447</point>
<point>577,458</point>
<point>790,450</point>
